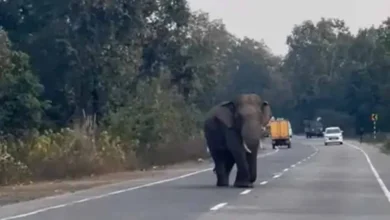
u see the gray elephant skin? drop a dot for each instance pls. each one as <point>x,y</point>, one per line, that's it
<point>233,130</point>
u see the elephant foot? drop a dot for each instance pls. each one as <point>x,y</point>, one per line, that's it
<point>222,182</point>
<point>243,185</point>
<point>222,185</point>
<point>253,180</point>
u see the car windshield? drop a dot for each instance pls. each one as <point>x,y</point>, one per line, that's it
<point>333,131</point>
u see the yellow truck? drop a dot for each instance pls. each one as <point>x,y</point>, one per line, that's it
<point>280,133</point>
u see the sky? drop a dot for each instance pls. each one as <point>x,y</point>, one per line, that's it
<point>273,20</point>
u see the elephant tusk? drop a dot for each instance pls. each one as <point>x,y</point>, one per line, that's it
<point>246,148</point>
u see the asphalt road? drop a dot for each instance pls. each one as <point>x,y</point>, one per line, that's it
<point>309,181</point>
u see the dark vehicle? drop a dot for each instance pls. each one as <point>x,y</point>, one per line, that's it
<point>313,128</point>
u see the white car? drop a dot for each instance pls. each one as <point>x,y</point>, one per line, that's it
<point>333,135</point>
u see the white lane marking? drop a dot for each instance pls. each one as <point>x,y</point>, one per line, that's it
<point>374,171</point>
<point>277,176</point>
<point>268,154</point>
<point>216,207</point>
<point>83,200</point>
<point>118,191</point>
<point>104,195</point>
<point>264,182</point>
<point>245,192</point>
<point>305,159</point>
<point>285,170</point>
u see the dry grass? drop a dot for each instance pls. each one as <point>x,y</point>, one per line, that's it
<point>84,151</point>
<point>34,190</point>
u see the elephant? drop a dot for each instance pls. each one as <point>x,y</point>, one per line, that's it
<point>233,131</point>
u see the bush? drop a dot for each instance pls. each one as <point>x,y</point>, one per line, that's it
<point>71,153</point>
<point>11,170</point>
<point>386,147</point>
<point>68,153</point>
<point>152,129</point>
<point>381,137</point>
<point>157,122</point>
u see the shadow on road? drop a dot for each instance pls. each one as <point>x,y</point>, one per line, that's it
<point>208,186</point>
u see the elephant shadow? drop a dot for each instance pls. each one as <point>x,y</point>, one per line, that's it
<point>204,186</point>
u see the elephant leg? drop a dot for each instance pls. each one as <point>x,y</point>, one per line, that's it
<point>252,162</point>
<point>216,144</point>
<point>224,163</point>
<point>229,163</point>
<point>220,169</point>
<point>243,175</point>
<point>236,148</point>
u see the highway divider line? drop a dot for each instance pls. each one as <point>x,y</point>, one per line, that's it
<point>277,175</point>
<point>316,150</point>
<point>374,171</point>
<point>119,191</point>
<point>245,192</point>
<point>268,154</point>
<point>219,206</point>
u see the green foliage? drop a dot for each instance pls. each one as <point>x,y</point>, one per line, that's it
<point>145,71</point>
<point>329,68</point>
<point>20,90</point>
<point>155,115</point>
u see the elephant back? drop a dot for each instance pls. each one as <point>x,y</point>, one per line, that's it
<point>222,112</point>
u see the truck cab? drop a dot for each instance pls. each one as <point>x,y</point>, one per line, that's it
<point>313,128</point>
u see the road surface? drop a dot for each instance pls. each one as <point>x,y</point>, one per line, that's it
<point>309,181</point>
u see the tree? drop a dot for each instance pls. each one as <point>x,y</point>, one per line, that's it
<point>21,107</point>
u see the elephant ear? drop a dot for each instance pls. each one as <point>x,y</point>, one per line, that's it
<point>266,113</point>
<point>225,113</point>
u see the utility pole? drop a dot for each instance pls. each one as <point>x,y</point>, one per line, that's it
<point>374,118</point>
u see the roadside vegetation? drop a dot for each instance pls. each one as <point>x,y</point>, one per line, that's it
<point>91,87</point>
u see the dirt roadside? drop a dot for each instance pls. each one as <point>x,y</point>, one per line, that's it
<point>19,193</point>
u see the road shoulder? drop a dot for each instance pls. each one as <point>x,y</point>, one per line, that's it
<point>379,160</point>
<point>62,188</point>
<point>21,193</point>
